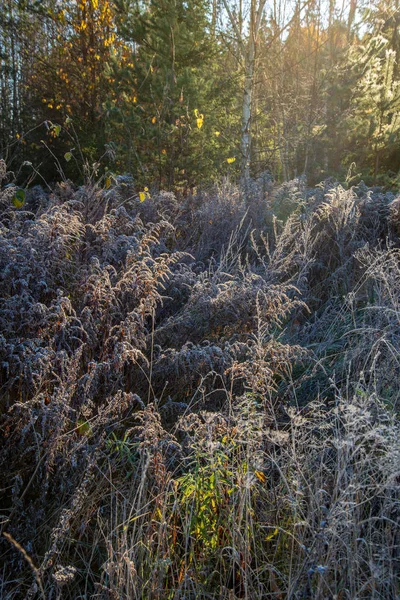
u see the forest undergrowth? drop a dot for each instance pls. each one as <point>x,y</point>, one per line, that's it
<point>200,396</point>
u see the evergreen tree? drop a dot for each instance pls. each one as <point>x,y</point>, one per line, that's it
<point>373,122</point>
<point>169,111</point>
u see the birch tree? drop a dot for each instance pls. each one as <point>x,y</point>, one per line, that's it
<point>246,30</point>
<point>246,43</point>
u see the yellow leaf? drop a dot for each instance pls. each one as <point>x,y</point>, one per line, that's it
<point>163,151</point>
<point>273,534</point>
<point>154,120</point>
<point>260,476</point>
<point>134,99</point>
<point>200,120</point>
<point>231,160</point>
<point>19,198</point>
<point>107,182</point>
<point>146,189</point>
<point>142,196</point>
<point>217,133</point>
<point>196,112</point>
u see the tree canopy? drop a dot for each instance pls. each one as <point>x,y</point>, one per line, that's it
<point>182,92</point>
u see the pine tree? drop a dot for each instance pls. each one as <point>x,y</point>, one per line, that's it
<point>167,95</point>
<point>373,122</point>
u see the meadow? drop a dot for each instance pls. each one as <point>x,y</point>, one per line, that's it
<point>200,393</point>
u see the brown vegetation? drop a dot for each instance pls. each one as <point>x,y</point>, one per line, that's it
<point>199,398</point>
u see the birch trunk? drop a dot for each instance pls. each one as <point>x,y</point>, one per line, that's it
<point>247,50</point>
<point>245,145</point>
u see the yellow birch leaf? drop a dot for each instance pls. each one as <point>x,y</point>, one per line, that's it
<point>273,534</point>
<point>19,198</point>
<point>260,476</point>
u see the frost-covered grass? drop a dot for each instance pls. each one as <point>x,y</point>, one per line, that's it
<point>200,398</point>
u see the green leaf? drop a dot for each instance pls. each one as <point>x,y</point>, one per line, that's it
<point>83,427</point>
<point>57,130</point>
<point>68,156</point>
<point>19,198</point>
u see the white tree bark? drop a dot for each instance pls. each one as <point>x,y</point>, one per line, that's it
<point>245,143</point>
<point>247,46</point>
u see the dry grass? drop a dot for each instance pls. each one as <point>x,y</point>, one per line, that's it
<point>200,399</point>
